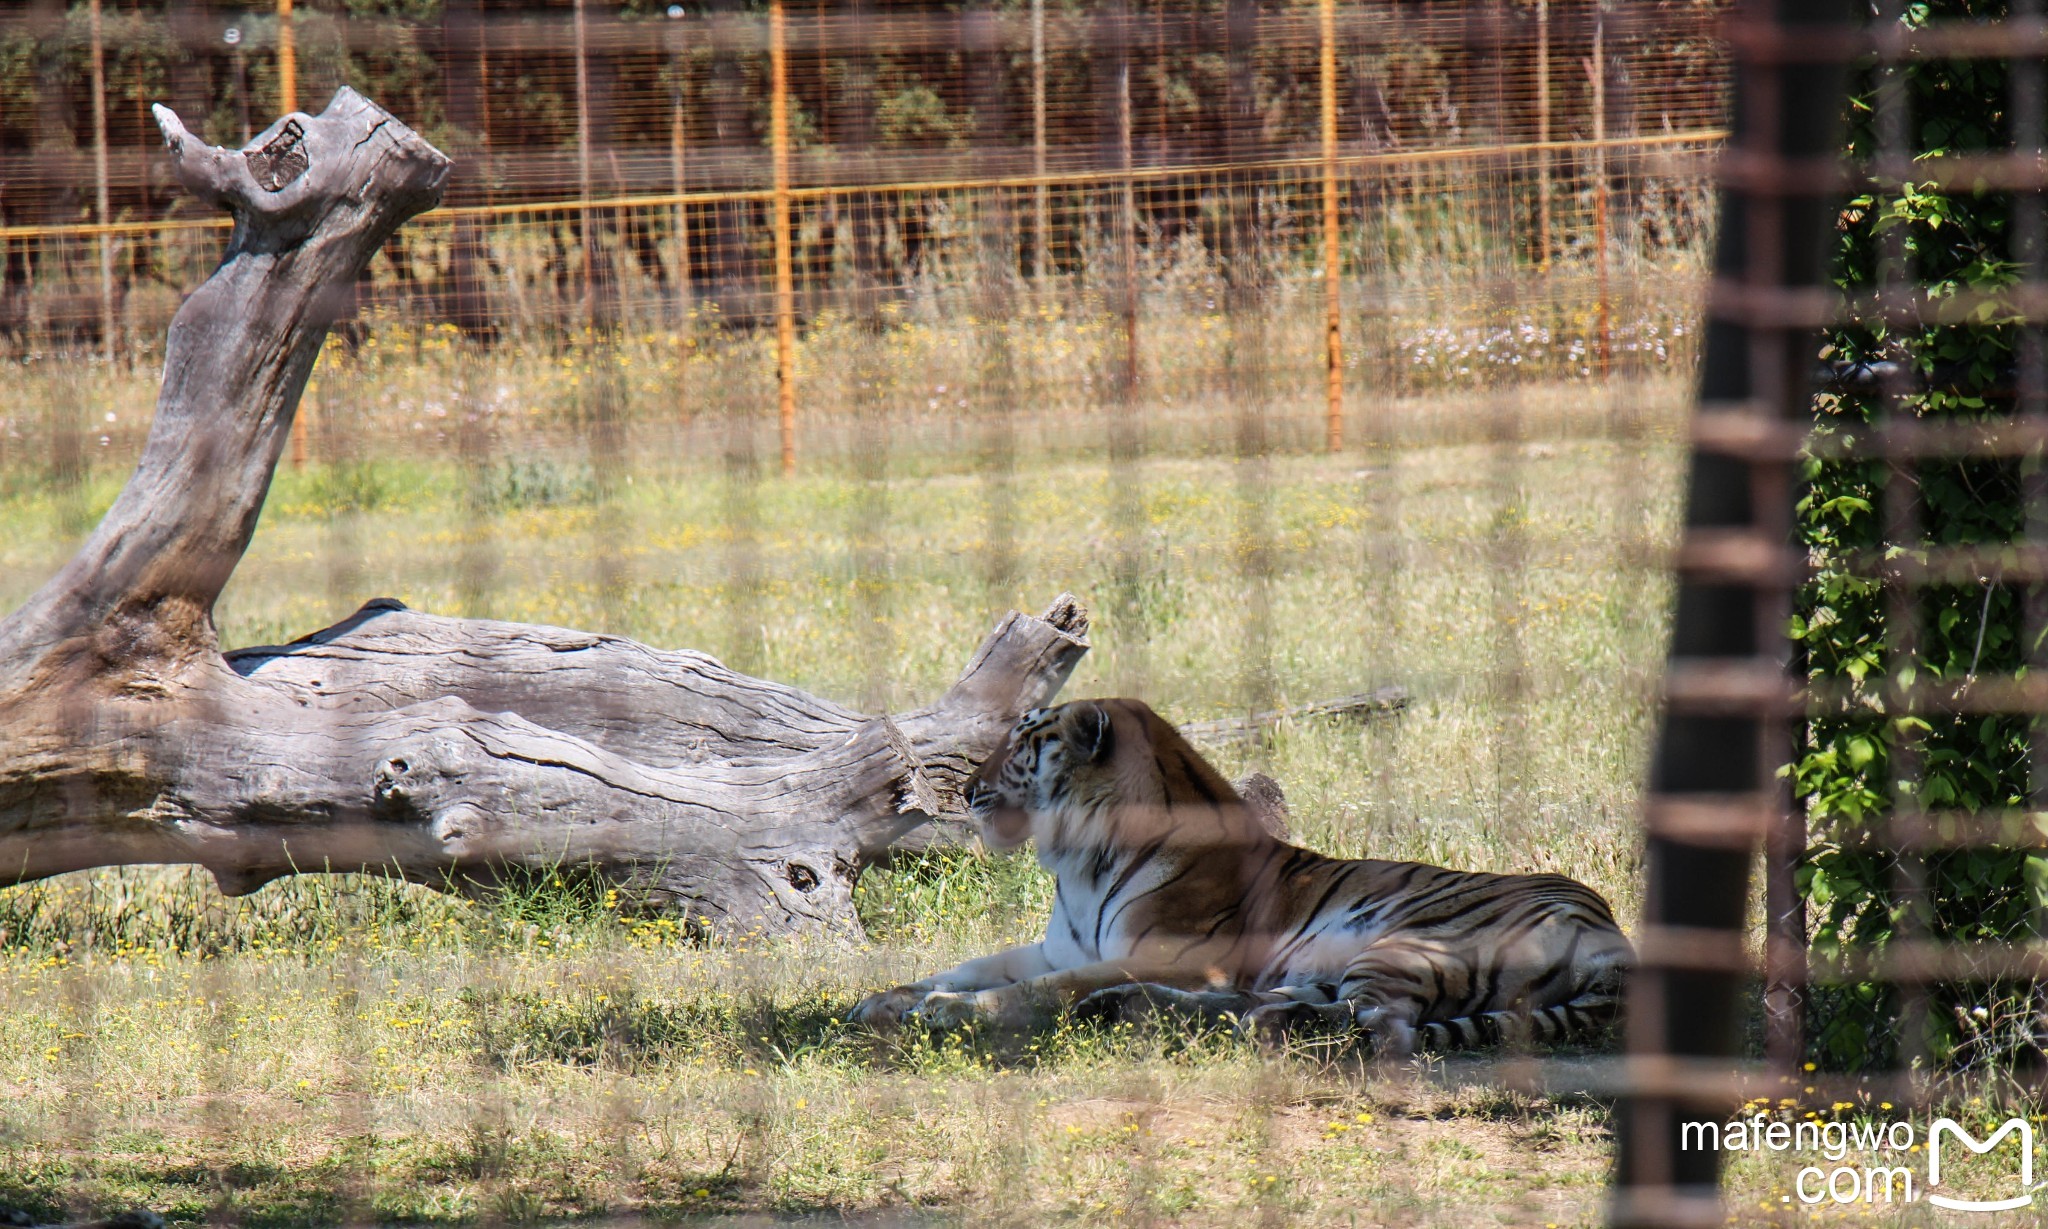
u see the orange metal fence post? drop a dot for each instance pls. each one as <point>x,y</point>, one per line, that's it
<point>785,288</point>
<point>1543,135</point>
<point>680,181</point>
<point>1332,250</point>
<point>287,102</point>
<point>287,61</point>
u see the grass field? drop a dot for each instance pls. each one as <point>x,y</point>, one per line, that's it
<point>332,1050</point>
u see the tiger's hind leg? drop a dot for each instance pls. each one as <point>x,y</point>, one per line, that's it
<point>1578,1018</point>
<point>1400,988</point>
<point>1581,1018</point>
<point>1294,1011</point>
<point>1141,1001</point>
<point>1388,989</point>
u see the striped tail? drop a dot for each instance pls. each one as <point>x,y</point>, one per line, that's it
<point>1584,1016</point>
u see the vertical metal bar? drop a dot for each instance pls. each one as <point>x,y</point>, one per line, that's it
<point>995,304</point>
<point>1714,758</point>
<point>1509,537</point>
<point>1040,195</point>
<point>679,179</point>
<point>582,36</point>
<point>466,98</point>
<point>1333,257</point>
<point>857,97</point>
<point>287,102</point>
<point>1794,110</point>
<point>1904,526</point>
<point>99,171</point>
<point>1381,591</point>
<point>1111,52</point>
<point>240,40</point>
<point>479,555</point>
<point>1543,135</point>
<point>582,48</point>
<point>1247,370</point>
<point>1127,206</point>
<point>193,37</point>
<point>686,299</point>
<point>785,291</point>
<point>1597,70</point>
<point>867,528</point>
<point>483,87</point>
<point>1161,156</point>
<point>2027,94</point>
<point>1785,932</point>
<point>79,1002</point>
<point>287,61</point>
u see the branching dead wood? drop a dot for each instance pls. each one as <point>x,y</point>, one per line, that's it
<point>443,750</point>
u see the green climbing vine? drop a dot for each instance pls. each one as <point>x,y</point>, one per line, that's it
<point>1858,515</point>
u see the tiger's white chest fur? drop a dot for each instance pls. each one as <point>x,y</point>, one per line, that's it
<point>1085,925</point>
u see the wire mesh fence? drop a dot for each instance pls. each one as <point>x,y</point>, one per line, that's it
<point>1320,349</point>
<point>1897,961</point>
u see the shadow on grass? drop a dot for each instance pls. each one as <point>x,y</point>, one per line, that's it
<point>628,1032</point>
<point>331,1191</point>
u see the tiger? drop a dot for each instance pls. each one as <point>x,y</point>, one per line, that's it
<point>1172,896</point>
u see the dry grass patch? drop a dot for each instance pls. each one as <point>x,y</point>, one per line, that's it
<point>337,1050</point>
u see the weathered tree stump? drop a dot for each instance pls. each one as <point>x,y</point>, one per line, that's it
<point>442,750</point>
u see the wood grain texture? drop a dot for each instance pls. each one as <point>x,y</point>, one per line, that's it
<point>442,750</point>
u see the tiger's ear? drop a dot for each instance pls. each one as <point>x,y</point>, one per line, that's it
<point>1090,733</point>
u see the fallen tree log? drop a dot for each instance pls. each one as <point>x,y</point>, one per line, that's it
<point>1364,706</point>
<point>441,750</point>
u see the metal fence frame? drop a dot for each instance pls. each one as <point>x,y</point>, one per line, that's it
<point>1736,700</point>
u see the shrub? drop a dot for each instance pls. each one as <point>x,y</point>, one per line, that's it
<point>1869,760</point>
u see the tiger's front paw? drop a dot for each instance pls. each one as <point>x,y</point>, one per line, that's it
<point>1136,1003</point>
<point>1277,1022</point>
<point>1115,1004</point>
<point>885,1010</point>
<point>1393,1037</point>
<point>1140,1002</point>
<point>943,1010</point>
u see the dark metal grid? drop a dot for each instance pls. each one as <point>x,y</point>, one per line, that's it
<point>745,522</point>
<point>1734,705</point>
<point>1728,724</point>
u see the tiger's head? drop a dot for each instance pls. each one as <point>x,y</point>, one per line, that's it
<point>1087,765</point>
